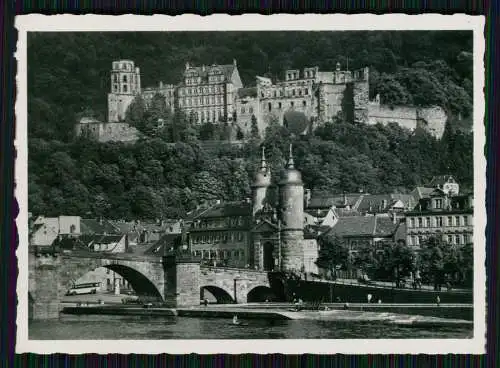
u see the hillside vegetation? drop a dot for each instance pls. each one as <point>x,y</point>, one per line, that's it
<point>168,175</point>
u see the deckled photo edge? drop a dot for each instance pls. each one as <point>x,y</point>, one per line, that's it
<point>322,22</point>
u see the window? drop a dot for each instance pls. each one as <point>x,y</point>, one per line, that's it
<point>269,107</point>
<point>450,221</point>
<point>243,110</point>
<point>439,221</point>
<point>439,203</point>
<point>449,239</point>
<point>304,103</point>
<point>457,220</point>
<point>300,92</point>
<point>457,239</point>
<point>420,221</point>
<point>291,104</point>
<point>125,88</point>
<point>250,110</point>
<point>279,105</point>
<point>293,92</point>
<point>306,92</point>
<point>115,78</point>
<point>466,222</point>
<point>428,222</point>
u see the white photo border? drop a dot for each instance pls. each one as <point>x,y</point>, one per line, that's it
<point>307,22</point>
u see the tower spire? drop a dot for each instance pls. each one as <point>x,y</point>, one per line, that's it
<point>290,164</point>
<point>263,164</point>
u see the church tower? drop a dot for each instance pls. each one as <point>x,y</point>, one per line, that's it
<point>260,185</point>
<point>125,86</point>
<point>291,192</point>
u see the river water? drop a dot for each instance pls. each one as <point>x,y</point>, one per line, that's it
<point>101,327</point>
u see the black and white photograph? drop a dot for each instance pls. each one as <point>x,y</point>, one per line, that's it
<point>288,184</point>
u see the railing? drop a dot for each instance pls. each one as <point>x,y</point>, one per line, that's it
<point>224,268</point>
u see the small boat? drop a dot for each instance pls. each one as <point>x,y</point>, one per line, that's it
<point>236,322</point>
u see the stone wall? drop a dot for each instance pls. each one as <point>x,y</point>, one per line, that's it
<point>433,119</point>
<point>310,247</point>
<point>330,97</point>
<point>106,132</point>
<point>292,250</point>
<point>118,105</point>
<point>404,116</point>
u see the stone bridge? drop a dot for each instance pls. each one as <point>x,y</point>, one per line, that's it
<point>175,281</point>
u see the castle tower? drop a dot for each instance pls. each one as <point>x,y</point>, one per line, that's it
<point>292,217</point>
<point>125,86</point>
<point>260,185</point>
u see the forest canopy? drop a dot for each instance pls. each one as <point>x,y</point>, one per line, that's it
<point>166,175</point>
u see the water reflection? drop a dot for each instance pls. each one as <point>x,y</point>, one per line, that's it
<point>159,328</point>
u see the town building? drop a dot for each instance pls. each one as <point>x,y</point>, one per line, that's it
<point>441,214</point>
<point>45,230</point>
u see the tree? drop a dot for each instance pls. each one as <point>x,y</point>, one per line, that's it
<point>396,262</point>
<point>432,261</point>
<point>333,254</point>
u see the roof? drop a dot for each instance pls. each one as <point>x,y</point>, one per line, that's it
<point>327,200</point>
<point>376,202</point>
<point>165,243</point>
<point>422,192</point>
<point>100,239</point>
<point>440,180</point>
<point>228,209</point>
<point>202,71</point>
<point>296,122</point>
<point>93,226</point>
<point>247,92</point>
<point>363,226</point>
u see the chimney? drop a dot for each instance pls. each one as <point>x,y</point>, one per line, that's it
<point>187,66</point>
<point>161,84</point>
<point>234,62</point>
<point>203,68</point>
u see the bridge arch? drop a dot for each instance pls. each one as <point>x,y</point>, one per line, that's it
<point>221,295</point>
<point>261,294</point>
<point>138,277</point>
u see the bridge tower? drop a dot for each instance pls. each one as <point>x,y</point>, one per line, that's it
<point>291,193</point>
<point>125,86</point>
<point>260,185</point>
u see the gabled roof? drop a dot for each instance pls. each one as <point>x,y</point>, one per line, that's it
<point>421,192</point>
<point>100,239</point>
<point>328,200</point>
<point>202,71</point>
<point>265,226</point>
<point>440,180</point>
<point>228,209</point>
<point>377,204</point>
<point>374,226</point>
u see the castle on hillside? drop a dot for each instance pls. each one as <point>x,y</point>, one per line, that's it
<point>215,93</point>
